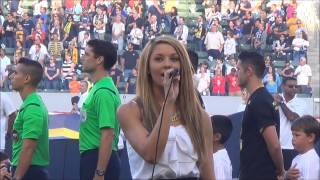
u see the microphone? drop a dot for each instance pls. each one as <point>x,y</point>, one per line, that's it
<point>174,73</point>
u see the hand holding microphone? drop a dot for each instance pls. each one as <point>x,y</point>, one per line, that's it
<point>171,84</point>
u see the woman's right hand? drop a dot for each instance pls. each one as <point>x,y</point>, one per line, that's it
<point>174,90</point>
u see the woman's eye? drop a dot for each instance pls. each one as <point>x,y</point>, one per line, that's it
<point>158,58</point>
<point>175,59</point>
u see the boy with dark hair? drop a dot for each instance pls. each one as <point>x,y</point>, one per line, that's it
<point>222,128</point>
<point>306,165</point>
<point>30,129</point>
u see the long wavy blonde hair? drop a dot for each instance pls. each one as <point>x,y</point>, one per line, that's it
<point>187,100</point>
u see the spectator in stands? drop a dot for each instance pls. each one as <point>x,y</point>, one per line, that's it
<point>229,46</point>
<point>203,80</point>
<point>279,28</point>
<point>155,9</point>
<point>84,37</point>
<point>73,50</point>
<point>4,70</point>
<point>70,31</point>
<point>9,28</point>
<point>214,43</point>
<point>77,11</point>
<point>20,36</point>
<point>247,28</point>
<point>174,19</point>
<point>292,26</point>
<point>118,30</point>
<point>131,82</point>
<point>99,22</point>
<point>19,48</point>
<point>300,28</point>
<point>232,81</point>
<point>303,73</point>
<point>38,55</point>
<point>288,70</point>
<point>38,32</point>
<point>271,80</point>
<point>136,36</point>
<point>220,64</point>
<point>51,75</point>
<point>218,83</point>
<point>300,46</point>
<point>234,29</point>
<point>291,8</point>
<point>232,63</point>
<point>200,32</point>
<point>260,39</point>
<point>74,85</point>
<point>152,28</point>
<point>213,14</point>
<point>133,20</point>
<point>231,12</point>
<point>67,71</point>
<point>245,7</point>
<point>55,47</point>
<point>281,48</point>
<point>56,27</point>
<point>268,62</point>
<point>181,32</point>
<point>116,74</point>
<point>128,61</point>
<point>43,48</point>
<point>290,108</point>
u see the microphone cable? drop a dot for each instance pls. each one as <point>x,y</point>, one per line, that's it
<point>164,104</point>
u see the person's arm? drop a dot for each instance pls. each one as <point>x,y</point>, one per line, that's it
<point>46,72</point>
<point>105,149</point>
<point>126,88</point>
<point>57,73</point>
<point>291,116</point>
<point>25,158</point>
<point>122,60</point>
<point>271,138</point>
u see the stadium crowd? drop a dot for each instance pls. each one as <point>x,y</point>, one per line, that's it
<point>55,34</point>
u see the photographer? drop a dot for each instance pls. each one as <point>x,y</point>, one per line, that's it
<point>5,166</point>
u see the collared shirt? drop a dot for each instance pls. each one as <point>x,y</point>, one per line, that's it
<point>295,105</point>
<point>32,123</point>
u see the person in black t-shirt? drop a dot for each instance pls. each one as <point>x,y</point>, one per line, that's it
<point>128,61</point>
<point>9,28</point>
<point>260,156</point>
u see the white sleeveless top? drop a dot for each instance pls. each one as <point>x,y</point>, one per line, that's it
<point>178,159</point>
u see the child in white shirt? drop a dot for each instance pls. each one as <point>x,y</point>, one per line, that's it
<point>222,128</point>
<point>306,165</point>
<point>230,45</point>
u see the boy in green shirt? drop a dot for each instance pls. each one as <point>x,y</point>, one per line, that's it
<point>30,130</point>
<point>99,129</point>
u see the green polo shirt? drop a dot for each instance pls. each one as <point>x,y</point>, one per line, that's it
<point>99,111</point>
<point>32,123</point>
